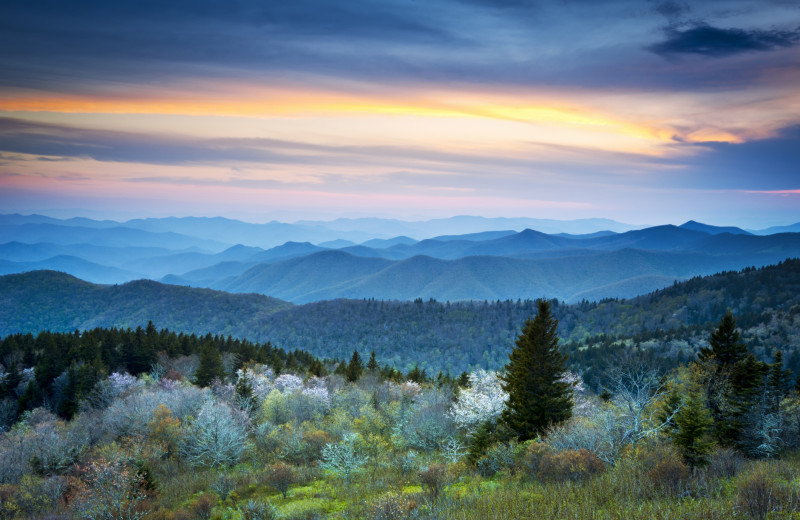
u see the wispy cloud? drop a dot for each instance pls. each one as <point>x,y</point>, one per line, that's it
<point>572,102</point>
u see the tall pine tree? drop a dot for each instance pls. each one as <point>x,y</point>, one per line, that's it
<point>732,382</point>
<point>537,397</point>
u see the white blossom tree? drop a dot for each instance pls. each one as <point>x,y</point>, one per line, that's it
<point>482,402</point>
<point>342,457</point>
<point>217,437</point>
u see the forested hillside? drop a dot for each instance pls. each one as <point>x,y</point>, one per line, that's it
<point>450,336</point>
<point>58,370</point>
<point>48,300</point>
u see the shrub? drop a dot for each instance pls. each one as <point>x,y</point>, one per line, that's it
<point>667,471</point>
<point>223,485</point>
<point>407,462</point>
<point>725,462</point>
<point>281,477</point>
<point>499,457</point>
<point>392,506</point>
<point>532,457</point>
<point>433,480</point>
<point>759,494</point>
<point>315,440</point>
<point>202,507</point>
<point>343,458</point>
<point>568,465</point>
<point>217,437</point>
<point>254,510</point>
<point>109,489</point>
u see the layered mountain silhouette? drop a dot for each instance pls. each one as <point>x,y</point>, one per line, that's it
<point>480,265</point>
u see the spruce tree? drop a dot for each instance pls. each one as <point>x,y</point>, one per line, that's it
<point>724,347</point>
<point>355,368</point>
<point>372,364</point>
<point>732,379</point>
<point>779,382</point>
<point>537,398</point>
<point>210,367</point>
<point>692,424</point>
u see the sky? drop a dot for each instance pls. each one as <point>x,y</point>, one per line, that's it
<point>642,111</point>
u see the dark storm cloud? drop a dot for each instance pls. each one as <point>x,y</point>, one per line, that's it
<point>713,41</point>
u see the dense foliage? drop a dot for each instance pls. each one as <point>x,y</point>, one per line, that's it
<point>665,328</point>
<point>58,370</point>
<point>364,443</point>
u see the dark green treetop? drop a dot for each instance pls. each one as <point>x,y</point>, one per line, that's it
<point>724,345</point>
<point>210,367</point>
<point>355,368</point>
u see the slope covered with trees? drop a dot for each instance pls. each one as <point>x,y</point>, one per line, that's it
<point>670,324</point>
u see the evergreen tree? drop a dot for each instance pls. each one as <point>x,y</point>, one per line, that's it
<point>417,375</point>
<point>316,368</point>
<point>481,440</point>
<point>537,398</point>
<point>372,364</point>
<point>210,367</point>
<point>724,347</point>
<point>779,382</point>
<point>692,424</point>
<point>747,388</point>
<point>355,368</point>
<point>733,378</point>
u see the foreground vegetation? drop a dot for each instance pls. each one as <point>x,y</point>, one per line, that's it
<point>217,429</point>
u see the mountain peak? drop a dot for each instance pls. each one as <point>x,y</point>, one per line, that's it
<point>713,230</point>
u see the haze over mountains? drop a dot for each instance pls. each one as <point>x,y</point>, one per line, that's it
<point>461,258</point>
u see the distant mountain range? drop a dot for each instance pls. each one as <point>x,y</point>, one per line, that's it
<point>354,258</point>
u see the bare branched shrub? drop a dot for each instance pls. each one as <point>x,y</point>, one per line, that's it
<point>255,510</point>
<point>202,507</point>
<point>343,458</point>
<point>759,493</point>
<point>109,489</point>
<point>667,472</point>
<point>217,437</point>
<point>433,479</point>
<point>281,477</point>
<point>391,506</point>
<point>725,463</point>
<point>569,465</point>
<point>224,484</point>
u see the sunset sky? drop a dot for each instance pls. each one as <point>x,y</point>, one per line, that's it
<point>641,111</point>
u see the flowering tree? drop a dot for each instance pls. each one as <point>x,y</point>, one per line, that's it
<point>342,457</point>
<point>482,402</point>
<point>109,490</point>
<point>288,382</point>
<point>217,437</point>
